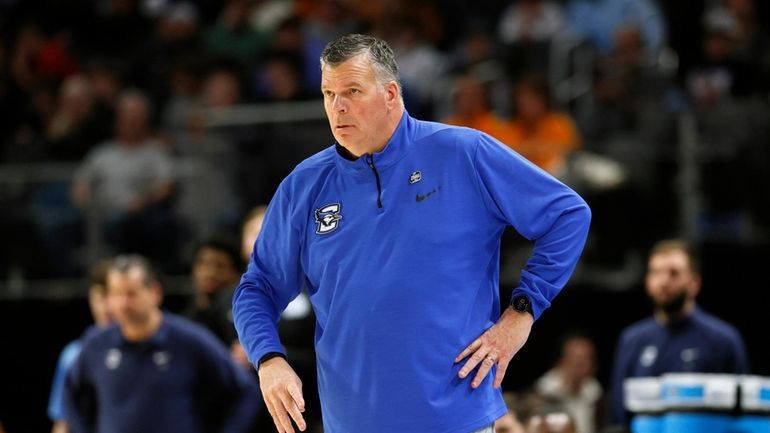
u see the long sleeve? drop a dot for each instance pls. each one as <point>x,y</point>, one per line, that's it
<point>67,357</point>
<point>739,359</point>
<point>541,209</point>
<point>272,279</point>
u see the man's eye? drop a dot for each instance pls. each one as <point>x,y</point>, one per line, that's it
<point>353,91</point>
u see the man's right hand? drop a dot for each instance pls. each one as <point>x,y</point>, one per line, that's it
<point>282,392</point>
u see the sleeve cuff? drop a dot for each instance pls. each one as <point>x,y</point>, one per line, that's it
<point>269,355</point>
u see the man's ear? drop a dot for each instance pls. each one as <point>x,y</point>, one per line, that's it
<point>393,93</point>
<point>695,285</point>
<point>157,292</point>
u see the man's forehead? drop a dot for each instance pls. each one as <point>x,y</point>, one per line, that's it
<point>351,70</point>
<point>669,258</point>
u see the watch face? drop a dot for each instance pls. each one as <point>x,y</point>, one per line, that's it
<point>521,303</point>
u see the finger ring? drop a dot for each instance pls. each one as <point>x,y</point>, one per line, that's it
<point>490,358</point>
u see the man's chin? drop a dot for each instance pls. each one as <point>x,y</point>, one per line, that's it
<point>673,306</point>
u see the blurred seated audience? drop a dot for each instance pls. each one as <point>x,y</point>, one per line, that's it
<point>472,109</point>
<point>539,132</point>
<point>598,20</point>
<point>572,382</point>
<point>531,20</point>
<point>127,181</point>
<point>552,419</point>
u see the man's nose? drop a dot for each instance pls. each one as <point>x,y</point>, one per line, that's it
<point>340,105</point>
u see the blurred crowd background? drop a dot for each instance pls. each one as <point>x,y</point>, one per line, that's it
<point>148,126</point>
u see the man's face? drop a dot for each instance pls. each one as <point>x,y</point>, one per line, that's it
<point>577,360</point>
<point>213,270</point>
<point>357,105</point>
<point>250,233</point>
<point>670,280</point>
<point>131,299</point>
<point>100,307</point>
<point>132,120</point>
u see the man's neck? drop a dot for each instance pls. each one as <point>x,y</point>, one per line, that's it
<point>143,331</point>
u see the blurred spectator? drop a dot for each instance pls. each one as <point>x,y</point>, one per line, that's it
<point>97,302</point>
<point>628,89</point>
<point>753,39</point>
<point>75,126</point>
<point>31,97</point>
<point>572,382</point>
<point>252,225</point>
<point>130,172</point>
<point>541,134</point>
<point>679,337</point>
<point>723,71</point>
<point>222,91</point>
<point>422,67</point>
<point>123,381</point>
<point>184,85</point>
<point>552,419</point>
<point>267,15</point>
<point>531,20</point>
<point>105,77</point>
<point>177,35</point>
<point>322,21</point>
<point>233,37</point>
<point>279,79</point>
<point>598,20</point>
<point>511,422</point>
<point>472,109</point>
<point>216,270</point>
<point>129,181</point>
<point>478,54</point>
<point>207,197</point>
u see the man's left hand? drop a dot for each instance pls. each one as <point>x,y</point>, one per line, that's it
<point>496,346</point>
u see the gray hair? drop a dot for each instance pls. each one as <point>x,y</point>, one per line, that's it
<point>381,56</point>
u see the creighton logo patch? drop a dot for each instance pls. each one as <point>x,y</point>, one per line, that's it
<point>415,177</point>
<point>327,218</point>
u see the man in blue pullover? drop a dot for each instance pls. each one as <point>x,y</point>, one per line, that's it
<point>154,371</point>
<point>395,231</point>
<point>679,337</point>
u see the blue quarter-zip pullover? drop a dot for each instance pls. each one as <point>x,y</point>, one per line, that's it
<point>400,252</point>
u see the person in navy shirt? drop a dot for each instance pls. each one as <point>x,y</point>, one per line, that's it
<point>154,371</point>
<point>679,337</point>
<point>395,232</point>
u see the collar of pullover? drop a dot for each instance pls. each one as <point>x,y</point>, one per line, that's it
<point>394,150</point>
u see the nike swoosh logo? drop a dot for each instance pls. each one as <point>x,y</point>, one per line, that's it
<point>420,198</point>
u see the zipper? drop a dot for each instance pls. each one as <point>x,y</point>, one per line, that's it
<point>370,162</point>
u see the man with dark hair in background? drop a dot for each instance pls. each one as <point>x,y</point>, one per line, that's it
<point>679,337</point>
<point>154,371</point>
<point>216,270</point>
